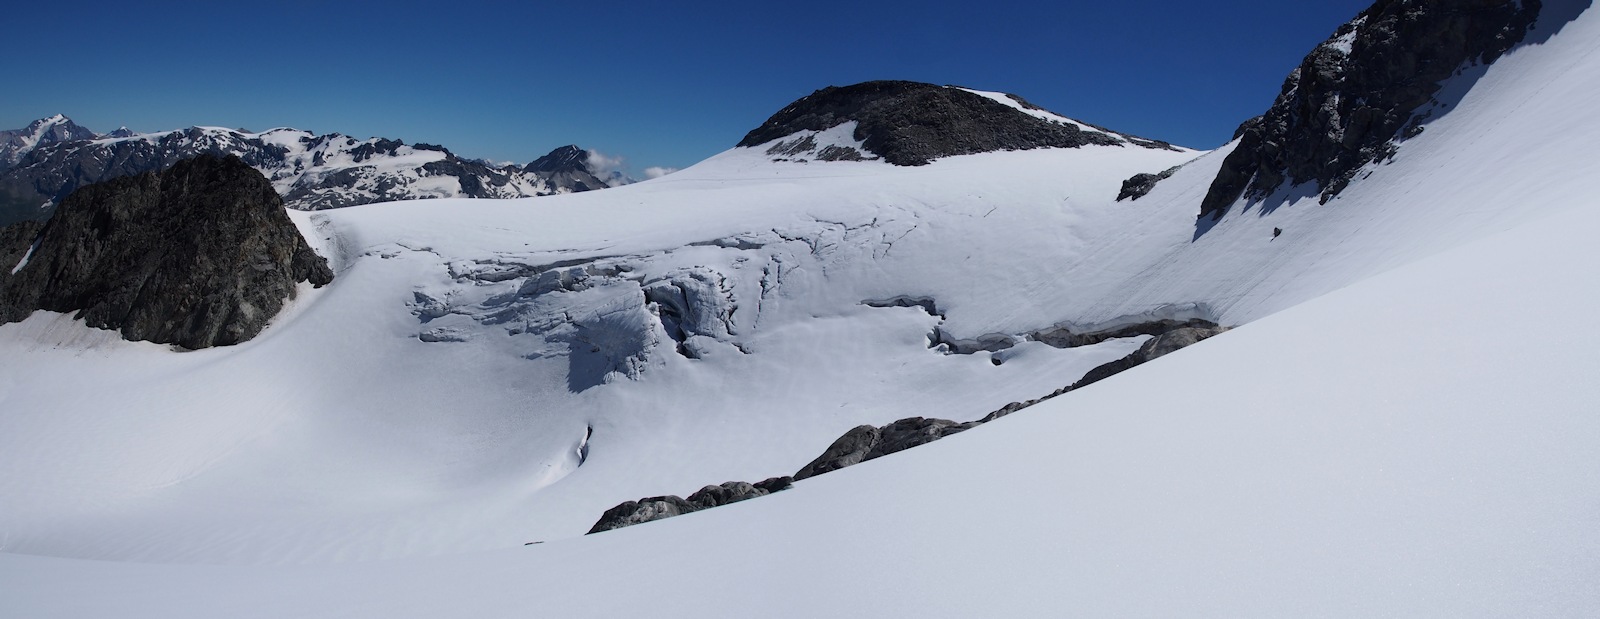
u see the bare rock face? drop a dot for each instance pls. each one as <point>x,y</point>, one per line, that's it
<point>1355,95</point>
<point>199,255</point>
<point>16,243</point>
<point>911,123</point>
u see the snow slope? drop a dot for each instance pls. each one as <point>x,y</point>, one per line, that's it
<point>342,434</point>
<point>1368,453</point>
<point>1394,432</point>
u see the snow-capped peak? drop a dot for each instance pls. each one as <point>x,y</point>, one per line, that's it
<point>311,171</point>
<point>17,143</point>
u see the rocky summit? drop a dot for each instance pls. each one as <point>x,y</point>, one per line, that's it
<point>1358,93</point>
<point>911,123</point>
<point>567,169</point>
<point>200,255</point>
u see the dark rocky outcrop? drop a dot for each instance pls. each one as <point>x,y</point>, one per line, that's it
<point>200,255</point>
<point>1356,95</point>
<point>864,443</point>
<point>1138,185</point>
<point>649,509</point>
<point>911,123</point>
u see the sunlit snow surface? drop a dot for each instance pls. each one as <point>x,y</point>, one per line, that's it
<point>434,397</point>
<point>1405,426</point>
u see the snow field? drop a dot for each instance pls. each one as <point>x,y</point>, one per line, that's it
<point>1402,425</point>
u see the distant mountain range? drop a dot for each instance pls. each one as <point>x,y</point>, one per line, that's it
<point>44,162</point>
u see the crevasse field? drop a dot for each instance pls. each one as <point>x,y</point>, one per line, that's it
<point>1403,423</point>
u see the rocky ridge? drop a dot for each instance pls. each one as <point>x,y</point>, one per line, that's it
<point>311,172</point>
<point>648,509</point>
<point>1357,95</point>
<point>199,255</point>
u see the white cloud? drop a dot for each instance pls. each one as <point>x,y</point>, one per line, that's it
<point>656,171</point>
<point>604,165</point>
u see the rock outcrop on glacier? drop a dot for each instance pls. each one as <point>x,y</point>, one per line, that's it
<point>199,255</point>
<point>650,509</point>
<point>868,442</point>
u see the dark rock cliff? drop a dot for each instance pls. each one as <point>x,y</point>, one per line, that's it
<point>911,123</point>
<point>200,255</point>
<point>1355,95</point>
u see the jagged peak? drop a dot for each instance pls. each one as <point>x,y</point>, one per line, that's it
<point>565,158</point>
<point>52,122</point>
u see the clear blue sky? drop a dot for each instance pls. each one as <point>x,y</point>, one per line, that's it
<point>662,84</point>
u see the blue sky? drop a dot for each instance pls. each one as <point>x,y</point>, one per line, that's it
<point>661,84</point>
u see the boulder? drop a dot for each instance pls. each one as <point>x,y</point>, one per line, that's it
<point>1138,185</point>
